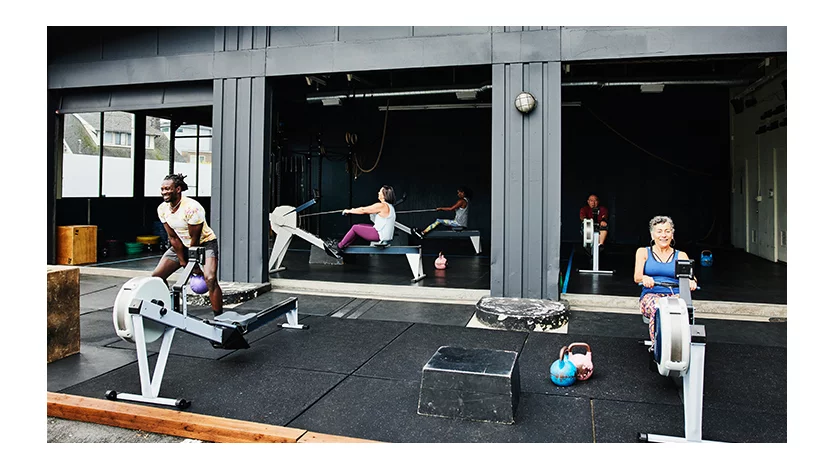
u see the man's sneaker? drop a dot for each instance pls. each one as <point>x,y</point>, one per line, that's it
<point>417,233</point>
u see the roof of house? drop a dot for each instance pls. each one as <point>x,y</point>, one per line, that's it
<point>78,140</point>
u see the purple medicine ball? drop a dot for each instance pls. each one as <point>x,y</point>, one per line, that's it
<point>198,284</point>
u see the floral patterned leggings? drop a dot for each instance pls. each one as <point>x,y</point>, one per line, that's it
<point>648,307</point>
<point>447,222</point>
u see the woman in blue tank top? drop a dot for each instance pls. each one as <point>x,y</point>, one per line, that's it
<point>655,264</point>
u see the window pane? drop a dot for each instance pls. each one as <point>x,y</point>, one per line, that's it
<point>185,159</point>
<point>156,158</point>
<point>80,169</point>
<point>204,130</point>
<point>117,175</point>
<point>204,187</point>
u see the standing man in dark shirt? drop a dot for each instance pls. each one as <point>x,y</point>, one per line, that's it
<point>597,213</point>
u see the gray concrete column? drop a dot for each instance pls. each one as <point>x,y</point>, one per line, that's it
<point>526,181</point>
<point>239,186</point>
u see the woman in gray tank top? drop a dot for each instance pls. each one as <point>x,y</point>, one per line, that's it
<point>383,215</point>
<point>461,209</point>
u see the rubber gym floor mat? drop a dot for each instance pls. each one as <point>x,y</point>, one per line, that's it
<point>185,344</point>
<point>622,422</point>
<point>405,357</point>
<point>330,344</point>
<point>432,313</point>
<point>319,305</point>
<point>752,378</point>
<point>773,334</point>
<point>100,299</point>
<point>608,324</point>
<point>97,328</point>
<point>754,333</point>
<point>248,391</point>
<point>621,370</point>
<point>93,283</point>
<point>90,362</point>
<point>386,410</point>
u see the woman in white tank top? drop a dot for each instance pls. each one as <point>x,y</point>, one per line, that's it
<point>461,209</point>
<point>383,215</point>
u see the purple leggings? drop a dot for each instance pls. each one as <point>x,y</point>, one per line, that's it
<point>364,231</point>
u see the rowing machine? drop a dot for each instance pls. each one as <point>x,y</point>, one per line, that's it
<point>284,222</point>
<point>680,347</point>
<point>590,238</point>
<point>145,310</point>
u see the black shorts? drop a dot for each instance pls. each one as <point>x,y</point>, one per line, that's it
<point>212,251</point>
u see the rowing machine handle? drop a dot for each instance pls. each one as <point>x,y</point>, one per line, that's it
<point>667,284</point>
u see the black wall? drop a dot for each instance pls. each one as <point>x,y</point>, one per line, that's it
<point>426,154</point>
<point>671,158</point>
<point>686,130</point>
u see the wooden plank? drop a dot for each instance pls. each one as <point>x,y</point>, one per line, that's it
<point>317,437</point>
<point>63,320</point>
<point>164,421</point>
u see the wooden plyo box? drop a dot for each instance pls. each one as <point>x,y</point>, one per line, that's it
<point>63,312</point>
<point>77,244</point>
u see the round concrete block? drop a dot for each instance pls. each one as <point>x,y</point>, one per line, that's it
<point>517,314</point>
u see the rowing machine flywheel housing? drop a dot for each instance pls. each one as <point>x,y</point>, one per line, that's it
<point>143,288</point>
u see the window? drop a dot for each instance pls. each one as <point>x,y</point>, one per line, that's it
<point>157,157</point>
<point>122,139</point>
<point>81,159</point>
<point>117,170</point>
<point>192,156</point>
<point>204,168</point>
<point>94,166</point>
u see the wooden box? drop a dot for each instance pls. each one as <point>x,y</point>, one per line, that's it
<point>77,244</point>
<point>63,312</point>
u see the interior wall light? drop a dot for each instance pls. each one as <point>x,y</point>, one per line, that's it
<point>652,88</point>
<point>525,102</point>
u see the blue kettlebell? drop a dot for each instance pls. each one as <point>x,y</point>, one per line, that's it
<point>706,258</point>
<point>563,371</point>
<point>198,284</point>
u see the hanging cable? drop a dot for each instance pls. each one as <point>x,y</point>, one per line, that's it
<point>644,150</point>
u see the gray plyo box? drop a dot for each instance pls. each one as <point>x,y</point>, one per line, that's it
<point>473,384</point>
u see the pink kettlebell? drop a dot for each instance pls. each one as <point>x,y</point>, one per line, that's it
<point>440,262</point>
<point>584,366</point>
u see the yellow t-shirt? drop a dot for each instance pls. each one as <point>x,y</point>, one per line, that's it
<point>189,212</point>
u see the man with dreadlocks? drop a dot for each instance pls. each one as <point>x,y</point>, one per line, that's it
<point>184,220</point>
